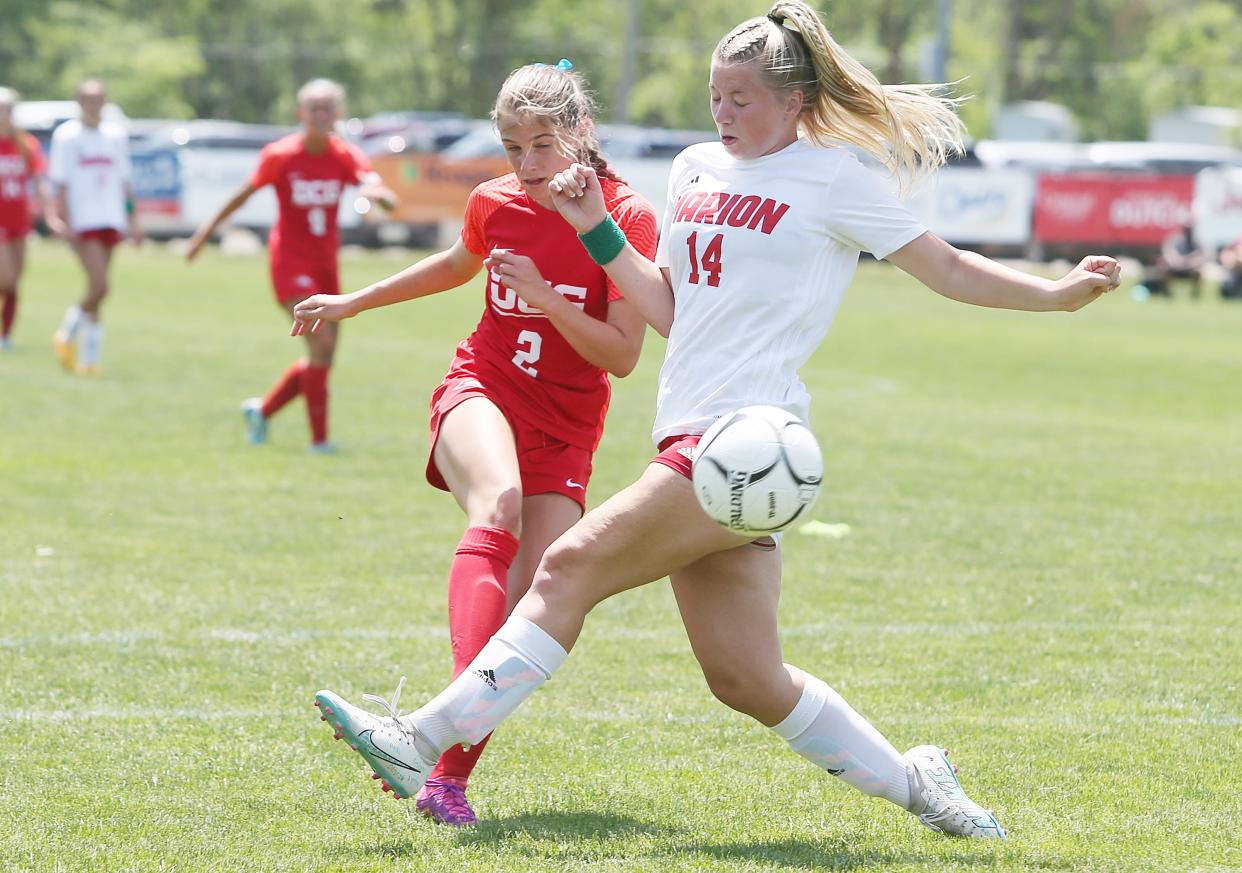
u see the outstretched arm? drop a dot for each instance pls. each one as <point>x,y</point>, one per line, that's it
<point>577,195</point>
<point>374,189</point>
<point>972,278</point>
<point>204,233</point>
<point>433,274</point>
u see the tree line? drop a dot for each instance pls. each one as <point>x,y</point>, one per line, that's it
<point>1114,63</point>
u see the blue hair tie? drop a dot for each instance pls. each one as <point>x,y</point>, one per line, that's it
<point>564,65</point>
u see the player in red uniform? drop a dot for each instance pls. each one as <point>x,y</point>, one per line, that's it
<point>21,162</point>
<point>309,170</point>
<point>516,420</point>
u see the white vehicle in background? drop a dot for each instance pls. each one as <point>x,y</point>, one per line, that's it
<point>184,171</point>
<point>41,117</point>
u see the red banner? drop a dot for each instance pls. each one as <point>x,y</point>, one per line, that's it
<point>1111,209</point>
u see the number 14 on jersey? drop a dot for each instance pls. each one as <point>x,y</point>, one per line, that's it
<point>708,261</point>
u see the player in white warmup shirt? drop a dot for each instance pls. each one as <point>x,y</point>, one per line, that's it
<point>89,165</point>
<point>761,237</point>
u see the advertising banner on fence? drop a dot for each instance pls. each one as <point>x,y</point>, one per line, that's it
<point>1218,206</point>
<point>1116,209</point>
<point>156,182</point>
<point>967,205</point>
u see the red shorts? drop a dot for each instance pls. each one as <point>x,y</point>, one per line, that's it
<point>295,280</point>
<point>677,453</point>
<point>547,465</point>
<point>13,232</point>
<point>108,236</point>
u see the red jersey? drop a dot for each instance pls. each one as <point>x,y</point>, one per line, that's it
<point>515,348</point>
<point>16,171</point>
<point>308,189</point>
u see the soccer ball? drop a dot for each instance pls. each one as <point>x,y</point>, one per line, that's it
<point>757,470</point>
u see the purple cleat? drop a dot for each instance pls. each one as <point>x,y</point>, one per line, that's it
<point>444,800</point>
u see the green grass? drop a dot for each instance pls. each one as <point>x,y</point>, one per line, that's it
<point>1042,573</point>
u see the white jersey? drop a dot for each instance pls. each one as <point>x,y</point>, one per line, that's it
<point>760,253</point>
<point>92,165</point>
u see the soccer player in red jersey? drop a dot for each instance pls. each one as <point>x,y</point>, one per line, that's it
<point>515,422</point>
<point>21,162</point>
<point>309,170</point>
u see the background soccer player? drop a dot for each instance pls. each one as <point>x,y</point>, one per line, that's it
<point>21,164</point>
<point>520,413</point>
<point>89,166</point>
<point>309,171</point>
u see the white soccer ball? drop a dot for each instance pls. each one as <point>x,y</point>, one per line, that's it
<point>757,470</point>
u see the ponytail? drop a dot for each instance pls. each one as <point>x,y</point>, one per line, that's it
<point>911,129</point>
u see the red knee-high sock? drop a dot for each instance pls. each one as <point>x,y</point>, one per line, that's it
<point>477,582</point>
<point>9,311</point>
<point>287,387</point>
<point>315,388</point>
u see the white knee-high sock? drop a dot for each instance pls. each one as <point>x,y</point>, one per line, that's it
<point>91,343</point>
<point>69,324</point>
<point>826,730</point>
<point>511,666</point>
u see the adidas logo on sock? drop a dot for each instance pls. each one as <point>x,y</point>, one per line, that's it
<point>488,676</point>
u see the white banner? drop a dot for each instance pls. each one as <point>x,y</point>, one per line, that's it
<point>1218,206</point>
<point>977,205</point>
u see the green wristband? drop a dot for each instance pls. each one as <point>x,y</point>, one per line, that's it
<point>604,241</point>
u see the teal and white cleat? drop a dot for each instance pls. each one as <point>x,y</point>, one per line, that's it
<point>940,802</point>
<point>400,757</point>
<point>323,448</point>
<point>256,421</point>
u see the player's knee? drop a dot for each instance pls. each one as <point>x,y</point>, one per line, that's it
<point>734,685</point>
<point>563,580</point>
<point>504,509</point>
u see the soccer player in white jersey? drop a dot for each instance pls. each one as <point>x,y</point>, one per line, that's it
<point>89,165</point>
<point>761,238</point>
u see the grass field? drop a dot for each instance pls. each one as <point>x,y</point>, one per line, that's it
<point>1042,573</point>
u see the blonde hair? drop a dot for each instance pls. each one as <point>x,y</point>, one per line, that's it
<point>911,129</point>
<point>559,97</point>
<point>322,87</point>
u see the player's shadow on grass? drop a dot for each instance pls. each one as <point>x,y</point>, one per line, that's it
<point>837,852</point>
<point>562,827</point>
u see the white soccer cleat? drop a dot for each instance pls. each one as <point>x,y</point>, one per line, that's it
<point>389,746</point>
<point>939,801</point>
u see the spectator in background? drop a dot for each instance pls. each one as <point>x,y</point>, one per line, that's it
<point>21,163</point>
<point>90,169</point>
<point>1180,258</point>
<point>1231,261</point>
<point>309,170</point>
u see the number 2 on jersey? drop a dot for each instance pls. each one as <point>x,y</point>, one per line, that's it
<point>710,260</point>
<point>525,358</point>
